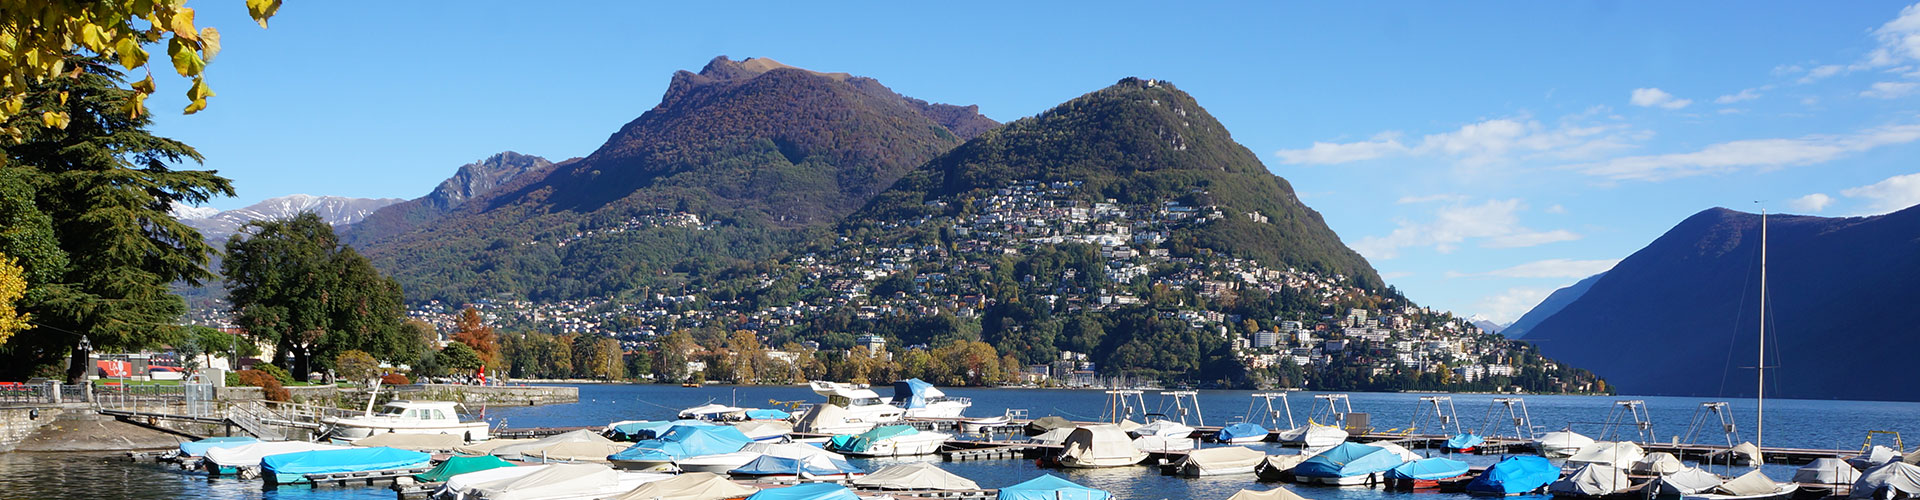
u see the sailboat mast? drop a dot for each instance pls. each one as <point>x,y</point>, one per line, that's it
<point>1760,393</point>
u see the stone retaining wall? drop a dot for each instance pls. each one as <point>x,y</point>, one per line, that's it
<point>491,395</point>
<point>16,423</point>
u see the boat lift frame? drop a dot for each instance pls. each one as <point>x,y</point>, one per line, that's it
<point>1521,420</point>
<point>1721,415</point>
<point>1332,409</point>
<point>1635,409</point>
<point>1179,404</point>
<point>1443,416</point>
<point>1119,408</point>
<point>1272,416</point>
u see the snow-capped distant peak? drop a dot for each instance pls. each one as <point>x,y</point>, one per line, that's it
<point>335,210</point>
<point>184,211</point>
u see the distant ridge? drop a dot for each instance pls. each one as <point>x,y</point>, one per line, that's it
<point>1552,304</point>
<point>470,181</point>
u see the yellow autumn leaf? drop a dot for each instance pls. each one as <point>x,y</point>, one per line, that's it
<point>185,60</point>
<point>131,55</point>
<point>137,105</point>
<point>210,42</point>
<point>92,37</point>
<point>55,119</point>
<point>262,9</point>
<point>182,24</point>
<point>144,86</point>
<point>12,104</point>
<point>198,94</point>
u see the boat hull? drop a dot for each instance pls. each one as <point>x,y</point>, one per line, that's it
<point>1354,480</point>
<point>351,429</point>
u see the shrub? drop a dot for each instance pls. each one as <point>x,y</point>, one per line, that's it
<point>233,379</point>
<point>268,384</point>
<point>394,379</point>
<point>277,373</point>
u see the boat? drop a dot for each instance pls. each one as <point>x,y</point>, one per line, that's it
<point>1278,467</point>
<point>408,417</point>
<point>764,414</point>
<point>1162,444</point>
<point>1219,461</point>
<point>461,486</point>
<point>920,399</point>
<point>1163,428</point>
<point>1744,453</point>
<point>689,486</point>
<point>790,450</point>
<point>1056,436</point>
<point>1561,443</point>
<point>813,467</point>
<point>808,491</point>
<point>1658,463</point>
<point>1616,454</point>
<point>980,425</point>
<point>1273,494</point>
<point>710,412</point>
<point>1047,423</point>
<point>637,430</point>
<point>460,464</point>
<point>487,447</point>
<point>889,441</point>
<point>1051,487</point>
<point>1464,443</point>
<point>1688,481</point>
<point>1874,456</point>
<point>582,445</point>
<point>1405,454</point>
<point>765,430</point>
<point>1753,485</point>
<point>718,463</point>
<point>199,448</point>
<point>563,481</point>
<point>1241,433</point>
<point>1347,464</point>
<point>293,468</point>
<point>916,476</point>
<point>679,442</point>
<point>1313,435</point>
<point>1890,481</point>
<point>430,443</point>
<point>862,404</point>
<point>1425,473</point>
<point>1591,481</point>
<point>834,419</point>
<point>221,461</point>
<point>1099,446</point>
<point>1515,476</point>
<point>1826,477</point>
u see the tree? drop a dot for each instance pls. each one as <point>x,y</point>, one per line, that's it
<point>43,36</point>
<point>673,351</point>
<point>459,358</point>
<point>607,359</point>
<point>103,184</point>
<point>292,282</point>
<point>13,286</point>
<point>747,352</point>
<point>471,329</point>
<point>214,342</point>
<point>356,365</point>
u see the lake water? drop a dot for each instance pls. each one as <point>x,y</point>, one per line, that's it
<point>1790,423</point>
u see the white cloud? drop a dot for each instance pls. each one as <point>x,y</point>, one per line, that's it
<point>1894,193</point>
<point>1744,95</point>
<point>1505,307</point>
<point>1451,197</point>
<point>1494,224</point>
<point>1556,209</point>
<point>1484,142</point>
<point>1889,90</point>
<point>1653,97</point>
<point>1751,153</point>
<point>1899,39</point>
<point>1550,268</point>
<point>1812,203</point>
<point>1821,72</point>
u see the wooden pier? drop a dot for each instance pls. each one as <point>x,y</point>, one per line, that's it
<point>388,477</point>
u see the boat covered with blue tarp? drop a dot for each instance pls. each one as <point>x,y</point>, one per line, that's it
<point>1242,432</point>
<point>1348,463</point>
<point>767,414</point>
<point>856,443</point>
<point>643,430</point>
<point>1514,476</point>
<point>1428,469</point>
<point>812,466</point>
<point>1465,442</point>
<point>912,393</point>
<point>809,491</point>
<point>1051,487</point>
<point>681,441</point>
<point>290,468</point>
<point>198,448</point>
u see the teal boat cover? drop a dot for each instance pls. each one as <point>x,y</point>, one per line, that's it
<point>861,442</point>
<point>1515,475</point>
<point>347,460</point>
<point>911,393</point>
<point>636,431</point>
<point>1051,487</point>
<point>759,414</point>
<point>1429,469</point>
<point>1241,430</point>
<point>198,448</point>
<point>1464,441</point>
<point>809,491</point>
<point>683,441</point>
<point>1347,460</point>
<point>812,466</point>
<point>458,465</point>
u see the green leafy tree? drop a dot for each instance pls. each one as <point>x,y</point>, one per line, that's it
<point>356,365</point>
<point>608,360</point>
<point>674,351</point>
<point>103,184</point>
<point>459,358</point>
<point>292,282</point>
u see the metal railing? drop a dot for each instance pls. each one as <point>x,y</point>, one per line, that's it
<point>14,393</point>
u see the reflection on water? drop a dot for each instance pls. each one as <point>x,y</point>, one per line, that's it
<point>1791,423</point>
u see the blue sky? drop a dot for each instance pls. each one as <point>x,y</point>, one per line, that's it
<point>1479,154</point>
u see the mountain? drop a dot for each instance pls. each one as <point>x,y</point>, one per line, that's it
<point>1136,142</point>
<point>336,210</point>
<point>468,182</point>
<point>1486,324</point>
<point>1546,308</point>
<point>1680,316</point>
<point>738,162</point>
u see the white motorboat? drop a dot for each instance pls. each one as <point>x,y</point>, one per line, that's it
<point>1750,486</point>
<point>1561,443</point>
<point>980,425</point>
<point>862,405</point>
<point>1313,435</point>
<point>709,412</point>
<point>889,441</point>
<point>1098,446</point>
<point>1164,428</point>
<point>409,417</point>
<point>921,399</point>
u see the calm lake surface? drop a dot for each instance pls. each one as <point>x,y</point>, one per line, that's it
<point>1790,423</point>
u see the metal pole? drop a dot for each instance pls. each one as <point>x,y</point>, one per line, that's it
<point>1760,393</point>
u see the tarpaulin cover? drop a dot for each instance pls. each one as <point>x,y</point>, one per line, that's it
<point>197,448</point>
<point>765,430</point>
<point>1658,463</point>
<point>1347,460</point>
<point>862,441</point>
<point>822,418</point>
<point>1429,469</point>
<point>462,484</point>
<point>790,450</point>
<point>1055,436</point>
<point>1277,467</point>
<point>809,491</point>
<point>689,486</point>
<point>1163,428</point>
<point>1827,471</point>
<point>1514,475</point>
<point>415,442</point>
<point>1045,424</point>
<point>1875,457</point>
<point>458,465</point>
<point>1889,480</point>
<point>1592,480</point>
<point>1617,454</point>
<point>1100,444</point>
<point>557,481</point>
<point>1686,482</point>
<point>913,393</point>
<point>708,410</point>
<point>1051,487</point>
<point>649,429</point>
<point>1464,441</point>
<point>249,455</point>
<point>767,414</point>
<point>1563,440</point>
<point>815,466</point>
<point>347,460</point>
<point>1313,435</point>
<point>916,476</point>
<point>1273,494</point>
<point>686,441</point>
<point>1242,430</point>
<point>1222,460</point>
<point>1752,483</point>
